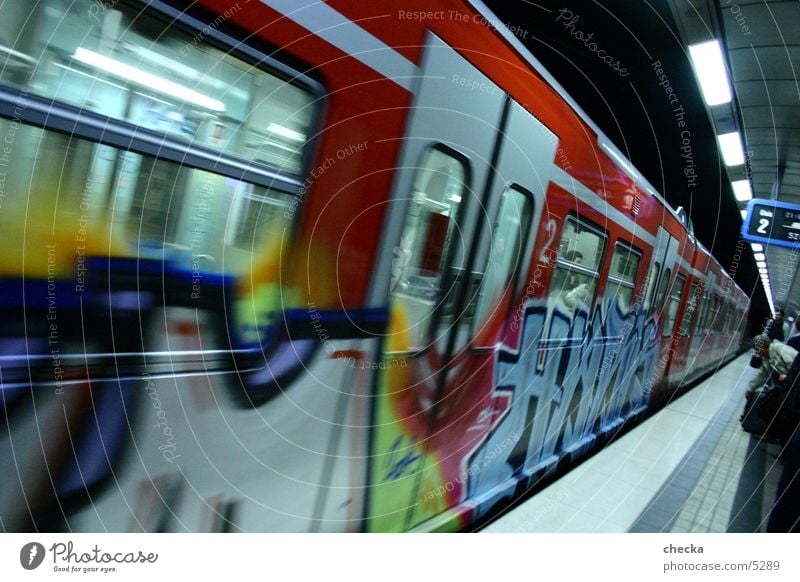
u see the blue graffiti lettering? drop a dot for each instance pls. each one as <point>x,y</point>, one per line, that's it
<point>401,460</point>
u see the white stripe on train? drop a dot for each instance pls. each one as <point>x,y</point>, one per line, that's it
<point>332,26</point>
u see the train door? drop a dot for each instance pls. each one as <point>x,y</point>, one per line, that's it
<point>462,227</point>
<point>682,366</point>
<point>662,273</point>
<point>621,375</point>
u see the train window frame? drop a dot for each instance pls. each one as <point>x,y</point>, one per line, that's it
<point>523,258</point>
<point>631,251</point>
<point>449,280</point>
<point>55,114</point>
<point>562,265</point>
<point>671,321</point>
<point>690,310</point>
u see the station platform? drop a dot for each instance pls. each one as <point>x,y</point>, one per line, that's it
<point>688,468</point>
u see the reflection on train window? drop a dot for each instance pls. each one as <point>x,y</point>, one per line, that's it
<point>195,212</point>
<point>256,212</point>
<point>580,253</point>
<point>419,260</point>
<point>703,318</point>
<point>674,305</point>
<point>652,280</point>
<point>509,239</point>
<point>662,290</point>
<point>714,324</point>
<point>108,200</point>
<point>720,315</point>
<point>691,309</point>
<point>131,66</point>
<point>622,276</point>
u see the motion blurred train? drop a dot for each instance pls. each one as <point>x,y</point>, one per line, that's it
<point>289,265</point>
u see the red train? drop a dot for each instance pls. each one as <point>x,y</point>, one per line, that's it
<point>305,266</point>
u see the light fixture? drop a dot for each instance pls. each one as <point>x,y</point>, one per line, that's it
<point>742,190</point>
<point>761,263</point>
<point>153,82</point>
<point>757,248</point>
<point>285,132</point>
<point>709,67</point>
<point>760,256</point>
<point>732,150</point>
<point>744,214</point>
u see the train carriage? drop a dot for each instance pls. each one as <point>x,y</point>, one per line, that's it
<point>305,266</point>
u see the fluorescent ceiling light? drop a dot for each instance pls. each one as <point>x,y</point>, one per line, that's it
<point>732,150</point>
<point>183,71</point>
<point>757,248</point>
<point>760,256</point>
<point>709,68</point>
<point>742,190</point>
<point>27,59</point>
<point>285,132</point>
<point>761,263</point>
<point>153,82</point>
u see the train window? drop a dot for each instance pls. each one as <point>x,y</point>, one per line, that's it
<point>715,315</point>
<point>726,326</point>
<point>662,289</point>
<point>419,263</point>
<point>509,239</point>
<point>704,314</point>
<point>256,211</point>
<point>577,271</point>
<point>116,197</point>
<point>674,305</point>
<point>131,66</point>
<point>723,324</point>
<point>652,279</point>
<point>622,276</point>
<point>691,308</point>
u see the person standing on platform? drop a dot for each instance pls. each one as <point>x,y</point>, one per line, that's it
<point>785,514</point>
<point>775,328</point>
<point>794,340</point>
<point>776,357</point>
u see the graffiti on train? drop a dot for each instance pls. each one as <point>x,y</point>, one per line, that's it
<point>564,396</point>
<point>402,459</point>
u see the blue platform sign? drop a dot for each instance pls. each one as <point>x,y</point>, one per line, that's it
<point>771,222</point>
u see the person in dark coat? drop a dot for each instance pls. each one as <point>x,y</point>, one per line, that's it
<point>785,514</point>
<point>794,341</point>
<point>775,331</point>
